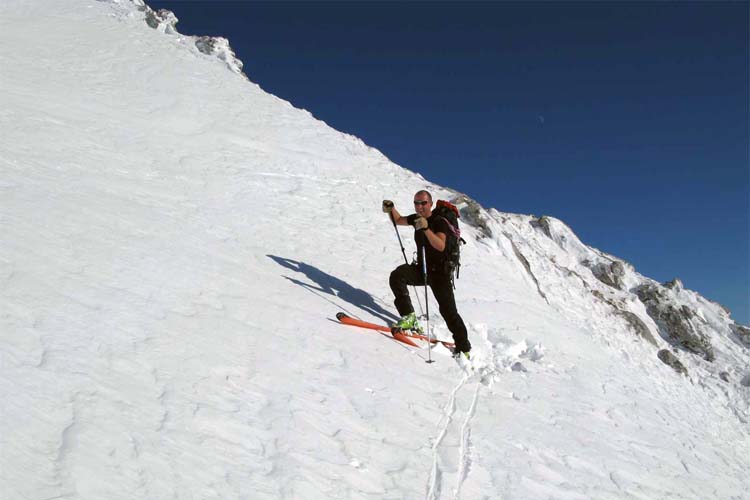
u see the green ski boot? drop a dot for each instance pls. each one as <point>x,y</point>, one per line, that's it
<point>458,355</point>
<point>409,322</point>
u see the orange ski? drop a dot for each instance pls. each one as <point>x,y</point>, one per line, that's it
<point>402,335</point>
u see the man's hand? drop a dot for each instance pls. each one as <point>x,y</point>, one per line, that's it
<point>420,224</point>
<point>387,206</point>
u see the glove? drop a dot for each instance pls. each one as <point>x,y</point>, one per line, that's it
<point>387,206</point>
<point>420,223</point>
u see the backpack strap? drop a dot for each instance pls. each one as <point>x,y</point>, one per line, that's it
<point>454,230</point>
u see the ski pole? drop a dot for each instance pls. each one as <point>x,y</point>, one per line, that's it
<point>406,261</point>
<point>427,306</point>
<point>403,250</point>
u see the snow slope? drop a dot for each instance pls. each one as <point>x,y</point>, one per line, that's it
<point>175,246</point>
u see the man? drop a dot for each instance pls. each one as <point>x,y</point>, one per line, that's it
<point>430,233</point>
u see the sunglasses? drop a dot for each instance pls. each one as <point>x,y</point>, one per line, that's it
<point>421,203</point>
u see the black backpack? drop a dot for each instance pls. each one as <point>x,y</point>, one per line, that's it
<point>453,241</point>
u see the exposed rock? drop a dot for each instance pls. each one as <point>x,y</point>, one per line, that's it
<point>724,376</point>
<point>675,320</point>
<point>518,367</point>
<point>219,47</point>
<point>165,21</point>
<point>556,230</point>
<point>745,382</point>
<point>162,20</point>
<point>140,4</point>
<point>742,332</point>
<point>609,274</point>
<point>472,213</point>
<point>675,285</point>
<point>545,224</point>
<point>636,324</point>
<point>670,359</point>
<point>618,268</point>
<point>206,44</point>
<point>524,261</point>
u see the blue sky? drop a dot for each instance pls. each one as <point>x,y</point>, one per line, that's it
<point>627,120</point>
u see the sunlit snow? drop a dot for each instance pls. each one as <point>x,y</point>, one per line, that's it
<point>175,244</point>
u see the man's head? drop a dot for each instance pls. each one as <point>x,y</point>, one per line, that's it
<point>423,203</point>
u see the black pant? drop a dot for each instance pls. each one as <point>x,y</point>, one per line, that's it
<point>442,288</point>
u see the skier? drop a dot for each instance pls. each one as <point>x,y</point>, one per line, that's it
<point>430,232</point>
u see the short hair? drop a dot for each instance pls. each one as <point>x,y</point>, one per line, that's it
<point>424,192</point>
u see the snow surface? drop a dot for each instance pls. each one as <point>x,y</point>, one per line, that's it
<point>175,244</point>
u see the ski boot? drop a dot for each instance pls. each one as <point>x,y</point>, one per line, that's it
<point>464,356</point>
<point>409,323</point>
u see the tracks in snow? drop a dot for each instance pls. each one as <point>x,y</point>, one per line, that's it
<point>451,449</point>
<point>465,455</point>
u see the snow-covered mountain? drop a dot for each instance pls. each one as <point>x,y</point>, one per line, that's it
<point>175,244</point>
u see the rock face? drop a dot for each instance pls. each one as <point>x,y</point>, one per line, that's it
<point>472,213</point>
<point>670,359</point>
<point>675,320</point>
<point>610,274</point>
<point>165,21</point>
<point>219,47</point>
<point>560,233</point>
<point>743,333</point>
<point>638,326</point>
<point>544,223</point>
<point>162,20</point>
<point>675,285</point>
<point>635,323</point>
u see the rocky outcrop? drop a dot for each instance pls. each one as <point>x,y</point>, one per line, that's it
<point>675,320</point>
<point>162,20</point>
<point>635,323</point>
<point>610,274</point>
<point>472,214</point>
<point>545,224</point>
<point>671,360</point>
<point>638,326</point>
<point>140,4</point>
<point>742,332</point>
<point>219,47</point>
<point>165,21</point>
<point>559,232</point>
<point>675,285</point>
<point>525,263</point>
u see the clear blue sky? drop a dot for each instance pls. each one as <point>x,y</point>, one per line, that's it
<point>628,121</point>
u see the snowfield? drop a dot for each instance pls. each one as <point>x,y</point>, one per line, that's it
<point>175,244</point>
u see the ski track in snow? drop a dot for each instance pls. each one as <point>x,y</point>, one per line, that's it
<point>465,453</point>
<point>436,472</point>
<point>455,459</point>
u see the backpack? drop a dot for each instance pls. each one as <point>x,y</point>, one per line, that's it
<point>453,241</point>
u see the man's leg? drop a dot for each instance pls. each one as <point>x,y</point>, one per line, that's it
<point>401,277</point>
<point>443,291</point>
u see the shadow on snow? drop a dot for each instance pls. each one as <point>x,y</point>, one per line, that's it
<point>327,284</point>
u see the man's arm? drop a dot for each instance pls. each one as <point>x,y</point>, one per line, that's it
<point>437,240</point>
<point>398,218</point>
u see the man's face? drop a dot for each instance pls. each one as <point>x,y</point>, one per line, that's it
<point>422,205</point>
